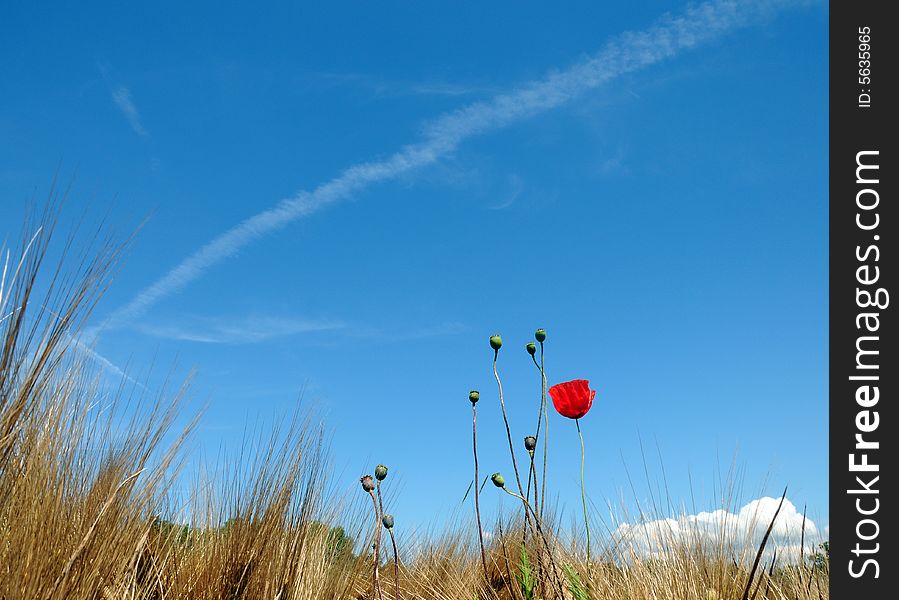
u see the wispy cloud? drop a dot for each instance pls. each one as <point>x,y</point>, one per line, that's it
<point>516,186</point>
<point>612,165</point>
<point>245,330</point>
<point>626,53</point>
<point>392,88</point>
<point>101,360</point>
<point>122,98</point>
<point>436,88</point>
<point>396,334</point>
<point>255,329</point>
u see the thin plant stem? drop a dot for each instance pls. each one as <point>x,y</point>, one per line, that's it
<point>375,584</point>
<point>502,404</point>
<point>534,473</point>
<point>527,491</point>
<point>540,534</point>
<point>527,495</point>
<point>545,429</point>
<point>396,564</point>
<point>536,437</point>
<point>541,411</point>
<point>502,542</point>
<point>577,422</point>
<point>477,492</point>
<point>381,516</point>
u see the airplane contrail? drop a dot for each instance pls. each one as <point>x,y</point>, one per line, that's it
<point>625,53</point>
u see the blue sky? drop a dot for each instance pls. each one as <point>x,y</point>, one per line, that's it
<point>660,209</point>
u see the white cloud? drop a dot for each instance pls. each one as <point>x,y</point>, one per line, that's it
<point>741,531</point>
<point>219,330</point>
<point>626,53</point>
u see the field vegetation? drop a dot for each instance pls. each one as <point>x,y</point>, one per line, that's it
<point>89,507</point>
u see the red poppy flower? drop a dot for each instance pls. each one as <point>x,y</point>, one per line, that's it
<point>572,399</point>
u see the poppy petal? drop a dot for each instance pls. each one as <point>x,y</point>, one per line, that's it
<point>572,399</point>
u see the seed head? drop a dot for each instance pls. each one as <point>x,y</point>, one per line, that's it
<point>380,472</point>
<point>531,348</point>
<point>498,480</point>
<point>388,521</point>
<point>474,396</point>
<point>496,342</point>
<point>530,442</point>
<point>368,484</point>
<point>540,334</point>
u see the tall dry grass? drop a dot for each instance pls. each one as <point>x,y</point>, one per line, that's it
<point>88,509</point>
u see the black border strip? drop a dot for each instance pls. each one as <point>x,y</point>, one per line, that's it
<point>864,370</point>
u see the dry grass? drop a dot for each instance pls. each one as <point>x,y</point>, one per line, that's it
<point>85,491</point>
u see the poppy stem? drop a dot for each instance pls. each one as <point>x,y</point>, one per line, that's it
<point>577,422</point>
<point>396,564</point>
<point>545,430</point>
<point>381,516</point>
<point>477,492</point>
<point>502,542</point>
<point>541,412</point>
<point>532,474</point>
<point>502,404</point>
<point>539,534</point>
<point>380,502</point>
<point>537,440</point>
<point>376,585</point>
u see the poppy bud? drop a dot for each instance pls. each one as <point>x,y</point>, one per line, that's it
<point>531,348</point>
<point>498,480</point>
<point>530,442</point>
<point>496,342</point>
<point>474,396</point>
<point>380,472</point>
<point>540,335</point>
<point>367,482</point>
<point>388,521</point>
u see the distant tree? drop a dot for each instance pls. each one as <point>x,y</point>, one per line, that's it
<point>340,545</point>
<point>176,532</point>
<point>821,558</point>
<point>336,538</point>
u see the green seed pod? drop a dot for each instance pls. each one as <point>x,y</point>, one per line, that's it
<point>530,442</point>
<point>496,342</point>
<point>540,335</point>
<point>474,396</point>
<point>531,348</point>
<point>388,521</point>
<point>368,484</point>
<point>498,480</point>
<point>380,472</point>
